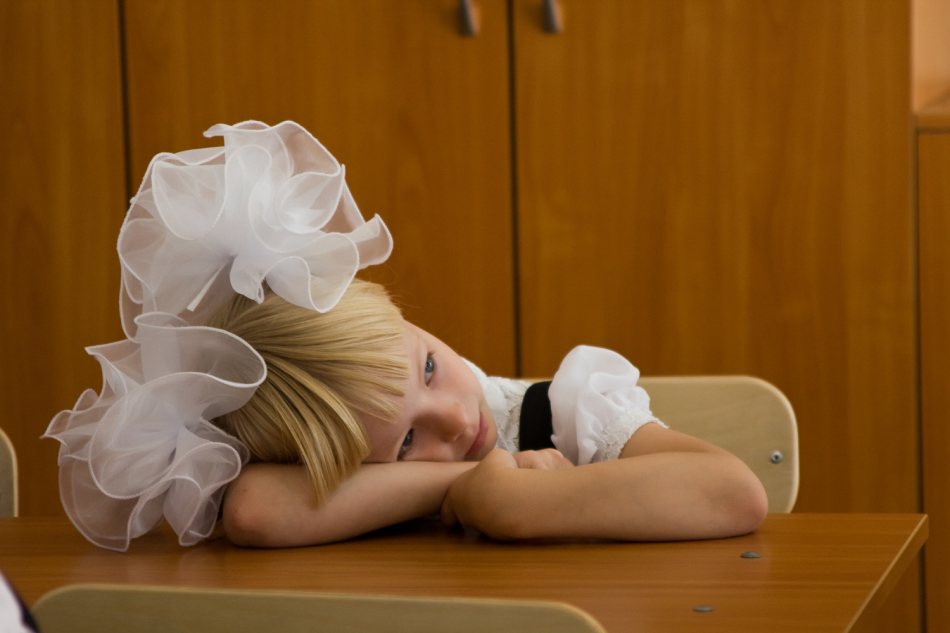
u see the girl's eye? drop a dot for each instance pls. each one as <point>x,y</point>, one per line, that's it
<point>406,443</point>
<point>430,368</point>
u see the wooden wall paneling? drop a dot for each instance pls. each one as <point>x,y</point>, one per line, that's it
<point>934,217</point>
<point>62,192</point>
<point>724,187</point>
<point>416,112</point>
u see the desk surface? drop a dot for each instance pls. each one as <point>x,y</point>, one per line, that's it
<point>817,572</point>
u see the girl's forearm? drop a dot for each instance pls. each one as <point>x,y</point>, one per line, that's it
<point>272,505</point>
<point>664,496</point>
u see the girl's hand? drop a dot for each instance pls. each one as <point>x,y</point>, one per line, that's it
<point>475,499</point>
<point>546,459</point>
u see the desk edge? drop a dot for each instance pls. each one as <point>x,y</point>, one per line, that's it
<point>889,579</point>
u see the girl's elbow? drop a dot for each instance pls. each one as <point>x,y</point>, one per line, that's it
<point>243,525</point>
<point>253,517</point>
<point>750,505</point>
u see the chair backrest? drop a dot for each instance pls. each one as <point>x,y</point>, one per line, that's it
<point>115,609</point>
<point>8,478</point>
<point>747,416</point>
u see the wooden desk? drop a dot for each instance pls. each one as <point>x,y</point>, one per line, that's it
<point>817,572</point>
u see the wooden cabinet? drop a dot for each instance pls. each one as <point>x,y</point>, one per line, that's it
<point>725,187</point>
<point>706,186</point>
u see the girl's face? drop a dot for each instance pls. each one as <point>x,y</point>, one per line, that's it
<point>443,417</point>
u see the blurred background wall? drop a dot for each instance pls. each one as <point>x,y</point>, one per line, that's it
<point>706,186</point>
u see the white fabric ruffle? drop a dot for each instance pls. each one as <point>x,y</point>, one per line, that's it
<point>144,448</point>
<point>271,205</point>
<point>596,405</point>
<point>504,397</point>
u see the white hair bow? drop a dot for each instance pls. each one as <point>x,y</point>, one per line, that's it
<point>271,205</point>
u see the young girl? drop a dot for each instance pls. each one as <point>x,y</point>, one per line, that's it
<point>418,417</point>
<point>240,308</point>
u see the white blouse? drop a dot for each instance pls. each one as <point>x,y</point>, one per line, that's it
<point>596,405</point>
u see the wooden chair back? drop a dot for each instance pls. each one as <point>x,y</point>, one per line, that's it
<point>119,609</point>
<point>8,478</point>
<point>747,416</point>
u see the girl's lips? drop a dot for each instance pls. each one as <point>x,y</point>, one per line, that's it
<point>479,438</point>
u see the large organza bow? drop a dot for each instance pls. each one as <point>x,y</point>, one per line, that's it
<point>144,448</point>
<point>271,205</point>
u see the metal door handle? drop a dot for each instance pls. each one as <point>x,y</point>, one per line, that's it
<point>469,18</point>
<point>552,20</point>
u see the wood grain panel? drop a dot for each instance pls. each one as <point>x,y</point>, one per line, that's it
<point>62,191</point>
<point>715,187</point>
<point>724,187</point>
<point>933,188</point>
<point>416,112</point>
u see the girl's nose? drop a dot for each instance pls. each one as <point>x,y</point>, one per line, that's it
<point>452,421</point>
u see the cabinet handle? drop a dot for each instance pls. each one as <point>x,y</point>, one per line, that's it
<point>552,19</point>
<point>469,18</point>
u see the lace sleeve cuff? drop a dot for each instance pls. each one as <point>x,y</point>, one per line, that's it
<point>616,435</point>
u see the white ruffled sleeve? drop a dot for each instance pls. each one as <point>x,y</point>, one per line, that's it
<point>596,405</point>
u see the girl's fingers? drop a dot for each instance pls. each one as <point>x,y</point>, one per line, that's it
<point>501,457</point>
<point>545,459</point>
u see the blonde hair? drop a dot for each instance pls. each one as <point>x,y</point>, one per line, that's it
<point>323,370</point>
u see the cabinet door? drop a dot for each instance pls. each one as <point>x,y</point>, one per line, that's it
<point>417,112</point>
<point>723,187</point>
<point>718,187</point>
<point>62,196</point>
